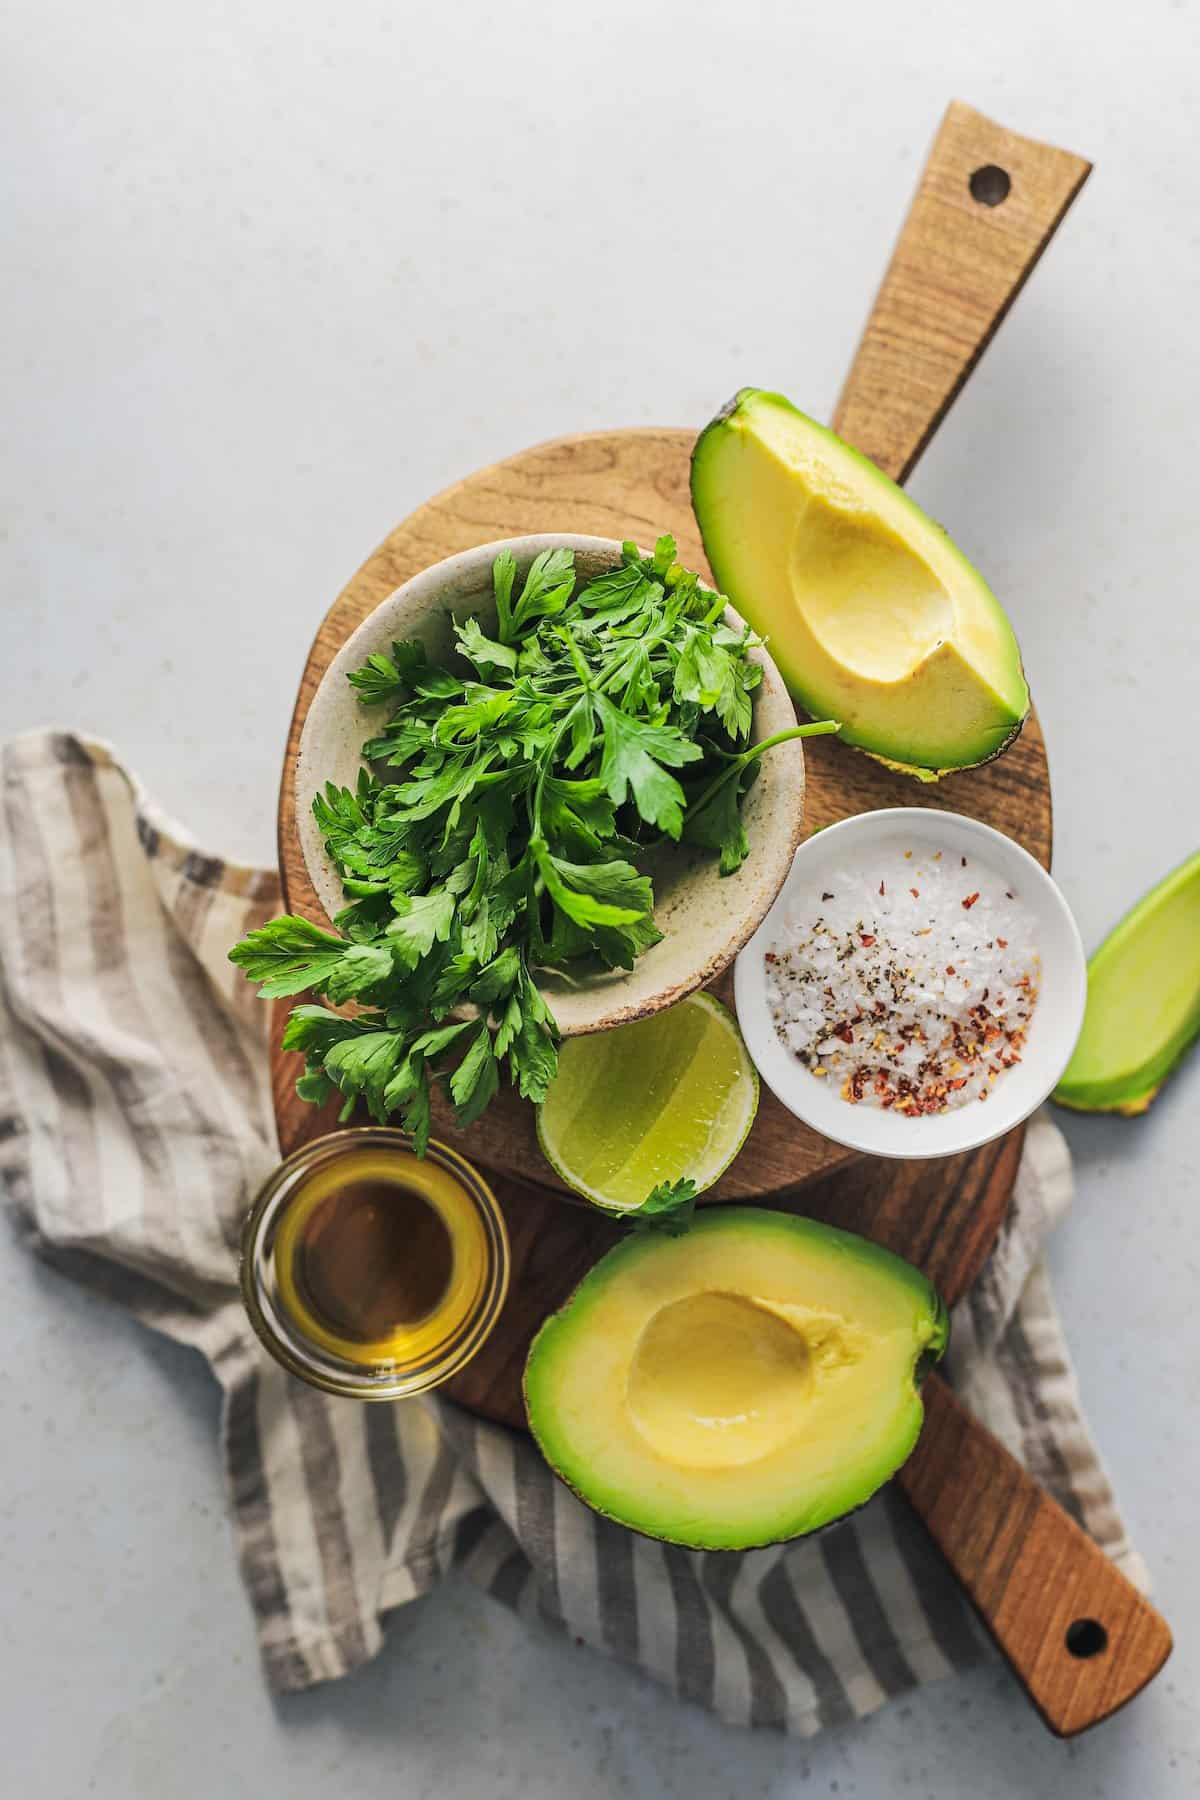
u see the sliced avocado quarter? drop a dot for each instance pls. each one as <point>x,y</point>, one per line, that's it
<point>1143,1001</point>
<point>872,614</point>
<point>742,1384</point>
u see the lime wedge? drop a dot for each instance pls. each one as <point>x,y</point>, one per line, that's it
<point>665,1097</point>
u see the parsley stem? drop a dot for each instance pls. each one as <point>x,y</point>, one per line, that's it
<point>819,728</point>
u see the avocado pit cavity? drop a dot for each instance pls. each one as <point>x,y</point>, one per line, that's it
<point>721,1379</point>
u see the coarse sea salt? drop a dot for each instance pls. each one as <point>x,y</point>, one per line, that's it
<point>907,978</point>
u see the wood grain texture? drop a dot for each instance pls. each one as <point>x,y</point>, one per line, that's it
<point>615,484</point>
<point>1037,1579</point>
<point>957,268</point>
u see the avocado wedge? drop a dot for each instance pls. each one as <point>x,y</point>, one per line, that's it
<point>742,1384</point>
<point>1143,1002</point>
<point>872,614</point>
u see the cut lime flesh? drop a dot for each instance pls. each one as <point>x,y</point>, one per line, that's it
<point>665,1097</point>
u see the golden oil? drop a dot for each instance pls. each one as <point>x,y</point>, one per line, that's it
<point>370,1271</point>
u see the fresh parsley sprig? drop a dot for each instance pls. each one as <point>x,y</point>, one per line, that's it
<point>497,828</point>
<point>670,1208</point>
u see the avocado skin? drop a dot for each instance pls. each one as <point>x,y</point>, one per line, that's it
<point>713,1217</point>
<point>930,775</point>
<point>1162,931</point>
<point>745,397</point>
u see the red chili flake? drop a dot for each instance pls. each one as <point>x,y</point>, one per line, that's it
<point>867,938</point>
<point>1003,943</point>
<point>844,1032</point>
<point>881,887</point>
<point>950,969</point>
<point>915,892</point>
<point>970,900</point>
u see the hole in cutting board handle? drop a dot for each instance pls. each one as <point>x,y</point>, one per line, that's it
<point>1086,1638</point>
<point>990,185</point>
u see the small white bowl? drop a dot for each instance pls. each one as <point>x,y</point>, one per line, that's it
<point>1055,1025</point>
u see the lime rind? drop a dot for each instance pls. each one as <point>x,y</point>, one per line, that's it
<point>744,1097</point>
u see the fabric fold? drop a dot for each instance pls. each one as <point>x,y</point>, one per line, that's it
<point>136,1126</point>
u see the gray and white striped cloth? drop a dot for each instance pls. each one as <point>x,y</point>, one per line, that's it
<point>135,1126</point>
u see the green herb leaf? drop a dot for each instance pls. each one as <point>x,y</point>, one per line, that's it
<point>378,679</point>
<point>634,752</point>
<point>422,920</point>
<point>431,1044</point>
<point>362,968</point>
<point>287,955</point>
<point>498,978</point>
<point>504,573</point>
<point>314,1030</point>
<point>621,593</point>
<point>483,651</point>
<point>548,586</point>
<point>475,1080</point>
<point>364,1064</point>
<point>664,554</point>
<point>610,893</point>
<point>669,1208</point>
<point>717,822</point>
<point>417,1115</point>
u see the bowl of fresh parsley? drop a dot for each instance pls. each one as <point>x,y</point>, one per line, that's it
<point>549,786</point>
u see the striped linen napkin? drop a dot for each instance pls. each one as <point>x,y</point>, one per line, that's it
<point>135,1127</point>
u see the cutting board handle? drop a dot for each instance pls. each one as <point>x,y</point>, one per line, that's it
<point>1080,1637</point>
<point>987,206</point>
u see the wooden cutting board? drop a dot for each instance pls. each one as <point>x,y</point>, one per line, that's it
<point>960,261</point>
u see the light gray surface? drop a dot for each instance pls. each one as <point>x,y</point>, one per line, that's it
<point>273,274</point>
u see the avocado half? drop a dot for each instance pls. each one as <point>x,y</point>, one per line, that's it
<point>1143,1001</point>
<point>747,1382</point>
<point>872,614</point>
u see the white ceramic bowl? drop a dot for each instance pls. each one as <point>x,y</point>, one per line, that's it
<point>706,917</point>
<point>1052,1033</point>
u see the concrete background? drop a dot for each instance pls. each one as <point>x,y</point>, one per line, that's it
<point>274,274</point>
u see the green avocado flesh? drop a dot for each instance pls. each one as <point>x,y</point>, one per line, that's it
<point>744,1383</point>
<point>1143,1002</point>
<point>872,614</point>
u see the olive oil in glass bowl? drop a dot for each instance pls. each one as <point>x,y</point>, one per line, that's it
<point>371,1272</point>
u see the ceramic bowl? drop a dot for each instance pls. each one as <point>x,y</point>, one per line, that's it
<point>705,917</point>
<point>1054,1027</point>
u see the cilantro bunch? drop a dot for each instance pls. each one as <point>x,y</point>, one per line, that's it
<point>498,825</point>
